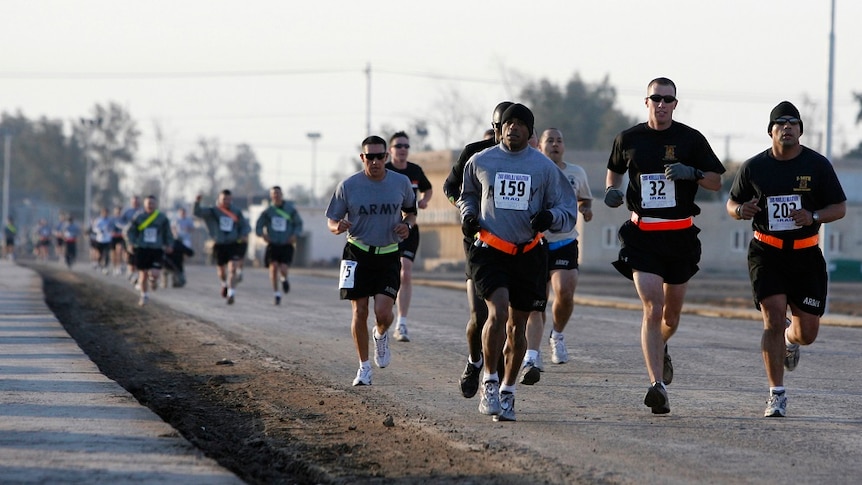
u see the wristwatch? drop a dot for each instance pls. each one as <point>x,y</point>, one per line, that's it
<point>409,226</point>
<point>815,216</point>
<point>699,174</point>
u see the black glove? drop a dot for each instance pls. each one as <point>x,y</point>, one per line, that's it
<point>542,221</point>
<point>613,197</point>
<point>470,226</point>
<point>678,171</point>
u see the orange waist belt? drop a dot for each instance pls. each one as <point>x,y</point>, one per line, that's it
<point>656,224</point>
<point>779,243</point>
<point>507,247</point>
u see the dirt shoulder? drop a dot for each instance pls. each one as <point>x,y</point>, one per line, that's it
<point>239,413</point>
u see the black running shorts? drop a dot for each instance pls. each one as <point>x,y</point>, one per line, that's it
<point>673,255</point>
<point>409,246</point>
<point>278,253</point>
<point>375,274</point>
<point>798,273</point>
<point>148,258</point>
<point>564,257</point>
<point>525,275</point>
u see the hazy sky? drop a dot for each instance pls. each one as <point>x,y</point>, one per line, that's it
<point>267,73</point>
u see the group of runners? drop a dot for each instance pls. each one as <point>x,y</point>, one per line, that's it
<point>519,202</point>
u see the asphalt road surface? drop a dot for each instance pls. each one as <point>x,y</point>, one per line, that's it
<point>586,415</point>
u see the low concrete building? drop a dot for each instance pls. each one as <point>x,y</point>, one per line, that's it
<point>725,240</point>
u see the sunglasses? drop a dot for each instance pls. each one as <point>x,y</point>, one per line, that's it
<point>374,156</point>
<point>786,119</point>
<point>401,145</point>
<point>667,98</point>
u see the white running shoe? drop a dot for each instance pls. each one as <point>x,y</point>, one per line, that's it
<point>381,349</point>
<point>507,407</point>
<point>400,333</point>
<point>363,377</point>
<point>776,406</point>
<point>489,404</point>
<point>559,353</point>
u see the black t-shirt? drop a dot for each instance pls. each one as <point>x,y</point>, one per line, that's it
<point>452,185</point>
<point>642,151</point>
<point>776,183</point>
<point>417,177</point>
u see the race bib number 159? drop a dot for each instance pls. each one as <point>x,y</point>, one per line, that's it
<point>512,191</point>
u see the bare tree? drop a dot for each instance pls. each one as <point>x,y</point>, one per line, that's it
<point>110,139</point>
<point>204,164</point>
<point>244,172</point>
<point>457,118</point>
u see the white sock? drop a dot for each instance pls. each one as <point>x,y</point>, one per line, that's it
<point>365,365</point>
<point>505,388</point>
<point>531,356</point>
<point>776,390</point>
<point>278,294</point>
<point>556,335</point>
<point>402,320</point>
<point>786,341</point>
<point>490,377</point>
<point>231,292</point>
<point>476,364</point>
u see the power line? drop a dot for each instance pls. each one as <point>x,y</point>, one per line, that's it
<point>168,74</point>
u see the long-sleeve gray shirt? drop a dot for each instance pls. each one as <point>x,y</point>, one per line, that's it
<point>505,189</point>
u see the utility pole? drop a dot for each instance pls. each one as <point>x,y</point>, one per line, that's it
<point>88,125</point>
<point>368,99</point>
<point>313,136</point>
<point>7,163</point>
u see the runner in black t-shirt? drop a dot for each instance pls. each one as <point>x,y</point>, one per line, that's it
<point>399,149</point>
<point>787,191</point>
<point>667,162</point>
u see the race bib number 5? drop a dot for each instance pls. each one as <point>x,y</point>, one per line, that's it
<point>347,277</point>
<point>657,191</point>
<point>512,191</point>
<point>780,207</point>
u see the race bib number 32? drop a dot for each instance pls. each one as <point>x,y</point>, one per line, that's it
<point>657,191</point>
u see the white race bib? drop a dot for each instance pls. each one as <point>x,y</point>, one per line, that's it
<point>279,224</point>
<point>512,191</point>
<point>225,223</point>
<point>150,235</point>
<point>657,191</point>
<point>346,278</point>
<point>780,207</point>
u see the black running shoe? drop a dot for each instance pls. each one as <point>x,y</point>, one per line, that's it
<point>667,372</point>
<point>285,286</point>
<point>656,399</point>
<point>470,380</point>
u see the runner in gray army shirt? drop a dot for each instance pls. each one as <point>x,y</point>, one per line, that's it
<point>377,209</point>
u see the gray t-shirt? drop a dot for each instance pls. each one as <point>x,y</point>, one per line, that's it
<point>505,189</point>
<point>577,178</point>
<point>372,207</point>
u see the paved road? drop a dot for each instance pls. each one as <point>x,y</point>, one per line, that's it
<point>587,416</point>
<point>62,421</point>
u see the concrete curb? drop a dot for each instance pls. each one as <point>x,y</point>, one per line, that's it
<point>63,421</point>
